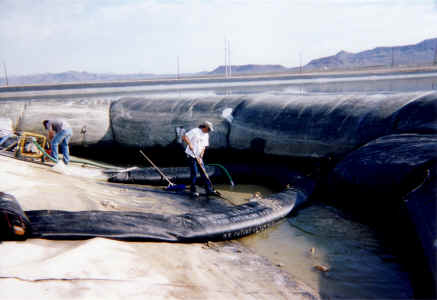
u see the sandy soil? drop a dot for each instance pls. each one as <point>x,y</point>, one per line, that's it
<point>102,268</point>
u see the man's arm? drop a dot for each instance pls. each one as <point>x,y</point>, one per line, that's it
<point>187,140</point>
<point>51,134</point>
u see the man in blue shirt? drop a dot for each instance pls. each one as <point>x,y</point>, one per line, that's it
<point>59,132</point>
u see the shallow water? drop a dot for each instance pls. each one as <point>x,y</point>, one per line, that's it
<point>241,193</point>
<point>360,264</point>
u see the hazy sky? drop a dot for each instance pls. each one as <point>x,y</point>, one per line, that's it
<point>129,36</point>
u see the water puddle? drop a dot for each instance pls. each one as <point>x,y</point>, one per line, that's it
<point>358,264</point>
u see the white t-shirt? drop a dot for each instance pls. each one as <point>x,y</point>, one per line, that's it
<point>199,140</point>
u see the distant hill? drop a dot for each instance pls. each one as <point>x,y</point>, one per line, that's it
<point>74,76</point>
<point>423,53</point>
<point>248,69</point>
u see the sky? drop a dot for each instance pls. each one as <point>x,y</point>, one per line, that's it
<point>147,36</point>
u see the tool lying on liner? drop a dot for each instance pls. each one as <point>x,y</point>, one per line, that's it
<point>171,186</point>
<point>200,163</point>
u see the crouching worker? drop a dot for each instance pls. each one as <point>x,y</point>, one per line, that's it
<point>59,133</point>
<point>197,140</point>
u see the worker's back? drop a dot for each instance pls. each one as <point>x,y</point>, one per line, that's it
<point>59,124</point>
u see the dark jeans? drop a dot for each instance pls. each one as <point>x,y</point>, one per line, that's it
<point>192,162</point>
<point>62,138</point>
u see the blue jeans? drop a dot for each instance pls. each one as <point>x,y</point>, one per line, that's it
<point>62,137</point>
<point>193,176</point>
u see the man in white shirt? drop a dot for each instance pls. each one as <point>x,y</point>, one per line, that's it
<point>197,140</point>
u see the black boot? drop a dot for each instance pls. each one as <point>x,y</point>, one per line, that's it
<point>193,192</point>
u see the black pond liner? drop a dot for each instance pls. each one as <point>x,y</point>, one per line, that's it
<point>227,223</point>
<point>14,223</point>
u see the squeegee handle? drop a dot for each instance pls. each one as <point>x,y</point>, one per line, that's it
<point>203,170</point>
<point>156,168</point>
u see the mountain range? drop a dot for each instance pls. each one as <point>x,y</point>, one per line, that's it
<point>423,53</point>
<point>248,69</point>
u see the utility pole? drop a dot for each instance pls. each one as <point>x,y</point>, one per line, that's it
<point>300,62</point>
<point>392,57</point>
<point>229,58</point>
<point>6,73</point>
<point>178,69</point>
<point>226,58</point>
<point>435,54</point>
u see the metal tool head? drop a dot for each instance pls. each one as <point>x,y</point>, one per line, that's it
<point>175,187</point>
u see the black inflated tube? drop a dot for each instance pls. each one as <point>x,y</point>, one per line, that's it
<point>227,223</point>
<point>230,223</point>
<point>14,223</point>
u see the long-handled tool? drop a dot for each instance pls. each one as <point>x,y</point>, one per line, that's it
<point>171,186</point>
<point>199,162</point>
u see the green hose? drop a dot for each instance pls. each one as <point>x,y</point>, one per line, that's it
<point>44,152</point>
<point>224,171</point>
<point>78,161</point>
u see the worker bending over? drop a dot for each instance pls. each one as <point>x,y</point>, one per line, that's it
<point>197,140</point>
<point>59,132</point>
